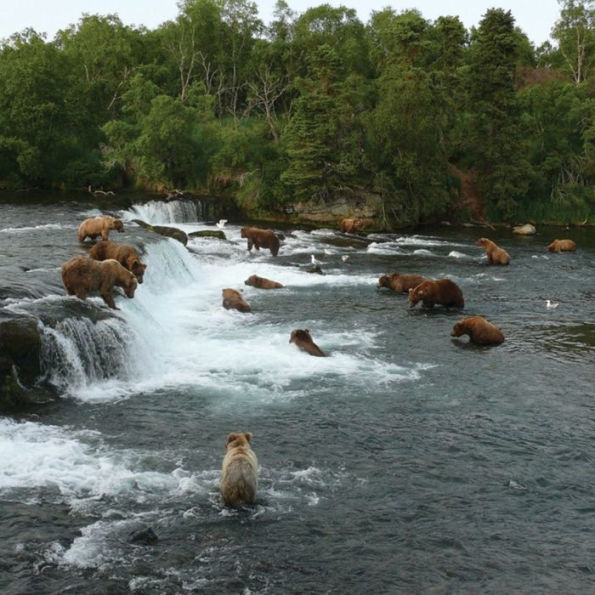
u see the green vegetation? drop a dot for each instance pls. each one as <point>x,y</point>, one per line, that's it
<point>433,120</point>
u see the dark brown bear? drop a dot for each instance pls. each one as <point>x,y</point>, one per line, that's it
<point>440,291</point>
<point>400,283</point>
<point>261,238</point>
<point>262,282</point>
<point>496,255</point>
<point>126,255</point>
<point>562,246</point>
<point>304,341</point>
<point>480,331</point>
<point>351,225</point>
<point>233,300</point>
<point>82,275</point>
<point>94,227</point>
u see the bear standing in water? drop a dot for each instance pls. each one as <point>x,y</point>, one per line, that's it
<point>261,238</point>
<point>440,291</point>
<point>496,255</point>
<point>480,331</point>
<point>302,338</point>
<point>239,472</point>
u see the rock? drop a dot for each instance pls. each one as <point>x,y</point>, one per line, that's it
<point>20,365</point>
<point>145,536</point>
<point>169,232</point>
<point>524,230</point>
<point>207,233</point>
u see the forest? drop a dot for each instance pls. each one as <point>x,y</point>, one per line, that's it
<point>433,120</point>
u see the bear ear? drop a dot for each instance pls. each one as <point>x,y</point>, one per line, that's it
<point>307,331</point>
<point>248,436</point>
<point>231,437</point>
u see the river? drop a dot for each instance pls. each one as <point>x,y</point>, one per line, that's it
<point>406,461</point>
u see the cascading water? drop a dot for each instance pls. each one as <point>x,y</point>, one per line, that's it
<point>162,212</point>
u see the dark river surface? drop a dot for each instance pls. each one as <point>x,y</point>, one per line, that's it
<point>405,462</point>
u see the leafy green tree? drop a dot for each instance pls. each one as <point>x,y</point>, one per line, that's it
<point>34,125</point>
<point>575,33</point>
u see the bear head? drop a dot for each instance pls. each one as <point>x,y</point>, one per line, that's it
<point>235,440</point>
<point>416,294</point>
<point>300,335</point>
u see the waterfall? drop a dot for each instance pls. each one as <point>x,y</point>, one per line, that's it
<point>80,355</point>
<point>161,212</point>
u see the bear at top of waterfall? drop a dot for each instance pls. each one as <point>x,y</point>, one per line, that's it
<point>126,255</point>
<point>438,291</point>
<point>239,472</point>
<point>94,227</point>
<point>262,282</point>
<point>261,238</point>
<point>401,283</point>
<point>480,331</point>
<point>351,225</point>
<point>82,275</point>
<point>233,300</point>
<point>496,255</point>
<point>303,339</point>
<point>562,246</point>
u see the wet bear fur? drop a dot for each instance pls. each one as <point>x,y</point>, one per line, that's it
<point>82,275</point>
<point>126,255</point>
<point>480,331</point>
<point>261,238</point>
<point>439,291</point>
<point>233,300</point>
<point>302,338</point>
<point>400,283</point>
<point>562,246</point>
<point>239,472</point>
<point>496,255</point>
<point>99,226</point>
<point>262,282</point>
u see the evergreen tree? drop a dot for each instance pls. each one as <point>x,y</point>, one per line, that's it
<point>494,132</point>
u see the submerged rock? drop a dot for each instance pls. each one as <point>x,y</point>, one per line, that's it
<point>145,536</point>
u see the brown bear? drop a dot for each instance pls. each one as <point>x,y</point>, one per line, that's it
<point>239,472</point>
<point>99,226</point>
<point>495,254</point>
<point>439,291</point>
<point>351,225</point>
<point>304,341</point>
<point>400,283</point>
<point>261,238</point>
<point>562,246</point>
<point>480,331</point>
<point>82,275</point>
<point>262,282</point>
<point>126,255</point>
<point>233,300</point>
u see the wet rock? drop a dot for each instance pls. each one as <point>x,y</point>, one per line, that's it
<point>144,536</point>
<point>207,233</point>
<point>524,230</point>
<point>20,365</point>
<point>169,232</point>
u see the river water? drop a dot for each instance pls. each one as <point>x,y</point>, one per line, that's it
<point>404,462</point>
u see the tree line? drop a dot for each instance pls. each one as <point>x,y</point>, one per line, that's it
<point>431,117</point>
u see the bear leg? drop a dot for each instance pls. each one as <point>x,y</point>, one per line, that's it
<point>109,300</point>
